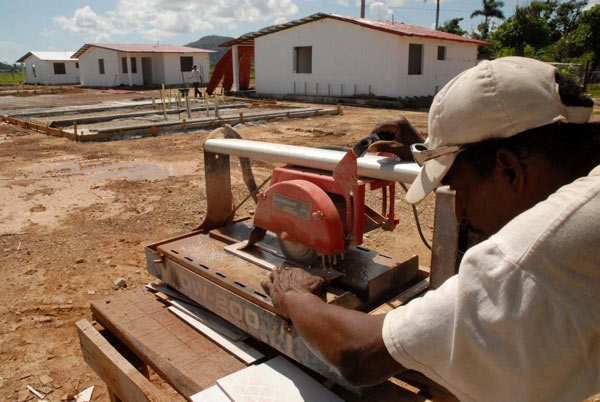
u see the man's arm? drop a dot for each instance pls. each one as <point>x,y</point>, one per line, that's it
<point>348,339</point>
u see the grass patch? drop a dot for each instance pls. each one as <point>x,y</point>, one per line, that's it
<point>10,78</point>
<point>593,89</point>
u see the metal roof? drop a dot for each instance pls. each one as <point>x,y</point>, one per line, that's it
<point>49,56</point>
<point>132,48</point>
<point>395,28</point>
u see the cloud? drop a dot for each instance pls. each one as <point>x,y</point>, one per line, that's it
<point>280,20</point>
<point>397,3</point>
<point>590,4</point>
<point>157,19</point>
<point>11,51</point>
<point>380,11</point>
<point>88,24</point>
<point>45,32</point>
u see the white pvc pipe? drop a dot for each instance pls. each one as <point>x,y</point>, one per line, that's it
<point>370,165</point>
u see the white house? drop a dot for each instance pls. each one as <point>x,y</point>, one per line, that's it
<point>50,68</point>
<point>111,65</point>
<point>328,54</point>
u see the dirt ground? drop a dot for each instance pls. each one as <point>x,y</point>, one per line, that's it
<point>75,216</point>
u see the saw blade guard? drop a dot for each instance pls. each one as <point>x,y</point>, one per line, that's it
<point>300,211</point>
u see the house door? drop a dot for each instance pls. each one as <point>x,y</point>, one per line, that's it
<point>147,70</point>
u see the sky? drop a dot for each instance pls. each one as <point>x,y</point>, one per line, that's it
<point>66,25</point>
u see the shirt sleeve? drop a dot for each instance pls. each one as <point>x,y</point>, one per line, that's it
<point>492,333</point>
<point>461,334</point>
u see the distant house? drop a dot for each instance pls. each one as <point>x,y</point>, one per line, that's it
<point>328,54</point>
<point>50,68</point>
<point>111,65</point>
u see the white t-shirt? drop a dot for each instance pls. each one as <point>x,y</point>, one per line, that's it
<point>196,76</point>
<point>521,319</point>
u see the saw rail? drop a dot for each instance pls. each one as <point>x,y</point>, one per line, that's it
<point>369,166</point>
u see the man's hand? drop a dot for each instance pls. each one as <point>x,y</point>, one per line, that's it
<point>392,136</point>
<point>285,283</point>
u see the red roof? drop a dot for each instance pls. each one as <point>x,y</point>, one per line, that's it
<point>396,28</point>
<point>127,48</point>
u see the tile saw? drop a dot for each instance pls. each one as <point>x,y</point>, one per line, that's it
<point>312,215</point>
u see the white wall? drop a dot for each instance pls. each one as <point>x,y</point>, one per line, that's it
<point>44,72</point>
<point>348,54</point>
<point>173,67</point>
<point>165,68</point>
<point>136,78</point>
<point>90,73</point>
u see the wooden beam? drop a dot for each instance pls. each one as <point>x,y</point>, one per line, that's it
<point>121,378</point>
<point>163,366</point>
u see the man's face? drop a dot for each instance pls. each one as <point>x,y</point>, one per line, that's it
<point>480,202</point>
<point>514,185</point>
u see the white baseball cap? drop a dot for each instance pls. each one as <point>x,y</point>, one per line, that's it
<point>495,99</point>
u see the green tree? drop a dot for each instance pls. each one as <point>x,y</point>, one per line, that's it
<point>588,32</point>
<point>453,27</point>
<point>567,16</point>
<point>531,25</point>
<point>491,9</point>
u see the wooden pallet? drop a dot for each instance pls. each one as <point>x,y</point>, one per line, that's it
<point>135,324</point>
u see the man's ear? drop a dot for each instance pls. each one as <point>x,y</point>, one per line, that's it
<point>510,170</point>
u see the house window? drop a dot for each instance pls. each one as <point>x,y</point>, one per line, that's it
<point>187,62</point>
<point>303,60</point>
<point>441,52</point>
<point>101,66</point>
<point>124,64</point>
<point>415,59</point>
<point>133,65</point>
<point>76,65</point>
<point>59,68</point>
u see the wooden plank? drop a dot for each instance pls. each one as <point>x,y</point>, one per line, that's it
<point>180,355</point>
<point>121,378</point>
<point>242,351</point>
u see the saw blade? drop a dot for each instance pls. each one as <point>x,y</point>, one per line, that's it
<point>297,252</point>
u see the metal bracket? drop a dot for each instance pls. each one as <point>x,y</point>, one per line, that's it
<point>444,249</point>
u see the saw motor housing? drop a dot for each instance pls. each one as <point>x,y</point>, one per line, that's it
<point>323,211</point>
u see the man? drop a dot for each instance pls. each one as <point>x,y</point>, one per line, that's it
<point>196,78</point>
<point>521,319</point>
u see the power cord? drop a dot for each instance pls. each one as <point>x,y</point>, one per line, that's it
<point>417,222</point>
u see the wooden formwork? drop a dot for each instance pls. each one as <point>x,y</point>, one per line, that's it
<point>56,132</point>
<point>155,128</point>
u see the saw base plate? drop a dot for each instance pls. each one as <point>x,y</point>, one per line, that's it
<point>365,273</point>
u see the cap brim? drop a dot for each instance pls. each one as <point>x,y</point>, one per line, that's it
<point>430,177</point>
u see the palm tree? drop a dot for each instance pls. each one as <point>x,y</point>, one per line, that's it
<point>491,9</point>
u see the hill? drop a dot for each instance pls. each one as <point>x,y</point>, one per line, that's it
<point>212,42</point>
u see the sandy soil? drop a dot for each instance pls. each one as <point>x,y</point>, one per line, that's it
<point>75,216</point>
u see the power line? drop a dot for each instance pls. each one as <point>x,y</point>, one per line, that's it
<point>431,9</point>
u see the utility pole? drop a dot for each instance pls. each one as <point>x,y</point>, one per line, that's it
<point>362,8</point>
<point>437,14</point>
